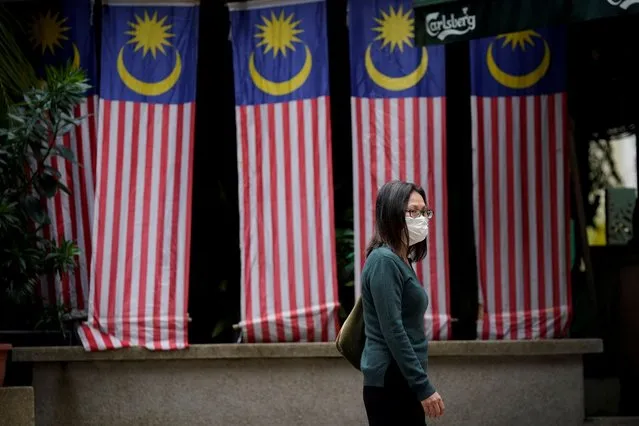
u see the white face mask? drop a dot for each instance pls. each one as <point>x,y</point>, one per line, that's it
<point>417,229</point>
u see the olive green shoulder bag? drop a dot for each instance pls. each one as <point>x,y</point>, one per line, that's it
<point>350,339</point>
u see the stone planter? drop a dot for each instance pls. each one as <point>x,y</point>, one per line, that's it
<point>4,356</point>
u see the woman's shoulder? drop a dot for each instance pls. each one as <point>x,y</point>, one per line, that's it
<point>382,262</point>
<point>382,254</point>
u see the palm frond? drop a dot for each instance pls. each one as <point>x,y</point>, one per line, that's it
<point>17,74</point>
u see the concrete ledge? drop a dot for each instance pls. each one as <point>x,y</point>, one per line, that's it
<point>17,406</point>
<point>612,421</point>
<point>308,350</point>
<point>524,383</point>
<point>485,390</point>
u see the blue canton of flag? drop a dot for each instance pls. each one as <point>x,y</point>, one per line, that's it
<point>149,54</point>
<point>384,59</point>
<point>62,32</point>
<point>520,64</point>
<point>271,67</point>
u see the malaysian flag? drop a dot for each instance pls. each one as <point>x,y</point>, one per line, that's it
<point>142,226</point>
<point>289,278</point>
<point>61,32</point>
<point>520,184</point>
<point>399,132</point>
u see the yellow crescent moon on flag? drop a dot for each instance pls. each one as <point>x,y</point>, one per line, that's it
<point>396,84</point>
<point>76,57</point>
<point>282,88</point>
<point>518,81</point>
<point>145,88</point>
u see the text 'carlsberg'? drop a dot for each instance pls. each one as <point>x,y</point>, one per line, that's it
<point>442,26</point>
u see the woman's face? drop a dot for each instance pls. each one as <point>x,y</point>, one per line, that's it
<point>416,205</point>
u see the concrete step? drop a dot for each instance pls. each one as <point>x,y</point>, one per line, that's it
<point>612,421</point>
<point>17,406</point>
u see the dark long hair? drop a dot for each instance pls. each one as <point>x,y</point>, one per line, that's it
<point>390,219</point>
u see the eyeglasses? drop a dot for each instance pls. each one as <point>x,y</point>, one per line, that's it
<point>427,213</point>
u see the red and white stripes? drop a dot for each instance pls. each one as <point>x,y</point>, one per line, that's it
<point>72,215</point>
<point>405,138</point>
<point>521,204</point>
<point>140,270</point>
<point>289,278</point>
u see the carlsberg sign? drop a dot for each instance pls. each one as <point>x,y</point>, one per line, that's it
<point>450,21</point>
<point>441,25</point>
<point>623,4</point>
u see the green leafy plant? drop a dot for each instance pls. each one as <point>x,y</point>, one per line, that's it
<point>345,256</point>
<point>27,181</point>
<point>345,253</point>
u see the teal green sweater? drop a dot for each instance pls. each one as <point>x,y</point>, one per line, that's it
<point>394,306</point>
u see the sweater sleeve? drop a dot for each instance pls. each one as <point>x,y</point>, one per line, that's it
<point>386,286</point>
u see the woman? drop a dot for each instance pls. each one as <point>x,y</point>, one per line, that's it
<point>397,390</point>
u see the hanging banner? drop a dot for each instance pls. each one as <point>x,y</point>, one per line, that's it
<point>521,184</point>
<point>585,10</point>
<point>470,19</point>
<point>289,277</point>
<point>440,22</point>
<point>61,32</point>
<point>398,109</point>
<point>142,225</point>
